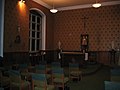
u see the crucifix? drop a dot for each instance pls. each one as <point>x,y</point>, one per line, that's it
<point>84,20</point>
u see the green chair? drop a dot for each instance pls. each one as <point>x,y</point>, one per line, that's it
<point>74,71</point>
<point>55,65</point>
<point>42,69</point>
<point>115,75</point>
<point>39,82</point>
<point>4,81</point>
<point>58,78</point>
<point>16,82</point>
<point>23,68</point>
<point>1,88</point>
<point>109,85</point>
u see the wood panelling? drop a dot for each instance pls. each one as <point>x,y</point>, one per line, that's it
<point>52,55</point>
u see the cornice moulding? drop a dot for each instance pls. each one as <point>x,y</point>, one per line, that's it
<point>43,3</point>
<point>88,5</point>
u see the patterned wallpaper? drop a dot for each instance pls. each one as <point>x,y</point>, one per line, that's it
<point>102,25</point>
<point>17,15</point>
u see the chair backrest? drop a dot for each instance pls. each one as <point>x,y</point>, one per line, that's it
<point>1,88</point>
<point>115,75</point>
<point>73,66</point>
<point>115,72</point>
<point>15,76</point>
<point>55,64</point>
<point>23,66</point>
<point>41,69</point>
<point>43,62</point>
<point>111,85</point>
<point>58,73</point>
<point>14,72</point>
<point>39,81</point>
<point>58,70</point>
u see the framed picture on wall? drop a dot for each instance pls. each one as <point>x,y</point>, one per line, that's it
<point>84,42</point>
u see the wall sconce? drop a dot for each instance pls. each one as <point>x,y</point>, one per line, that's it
<point>22,1</point>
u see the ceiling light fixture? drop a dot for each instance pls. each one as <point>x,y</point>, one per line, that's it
<point>53,10</point>
<point>96,5</point>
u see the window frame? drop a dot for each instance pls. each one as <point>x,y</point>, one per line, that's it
<point>43,27</point>
<point>35,34</point>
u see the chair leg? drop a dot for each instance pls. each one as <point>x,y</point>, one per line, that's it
<point>80,77</point>
<point>29,87</point>
<point>63,87</point>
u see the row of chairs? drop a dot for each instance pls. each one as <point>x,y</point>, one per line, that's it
<point>55,74</point>
<point>39,80</point>
<point>114,83</point>
<point>16,82</point>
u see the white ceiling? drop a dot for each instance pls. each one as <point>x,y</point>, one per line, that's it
<point>74,4</point>
<point>67,3</point>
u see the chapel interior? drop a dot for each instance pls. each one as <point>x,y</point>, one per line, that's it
<point>77,36</point>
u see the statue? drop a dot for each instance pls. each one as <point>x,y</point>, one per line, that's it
<point>84,40</point>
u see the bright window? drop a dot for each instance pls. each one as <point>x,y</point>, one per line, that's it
<point>35,32</point>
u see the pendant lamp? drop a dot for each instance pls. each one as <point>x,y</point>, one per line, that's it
<point>53,10</point>
<point>96,5</point>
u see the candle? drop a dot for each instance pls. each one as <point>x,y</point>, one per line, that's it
<point>112,44</point>
<point>59,45</point>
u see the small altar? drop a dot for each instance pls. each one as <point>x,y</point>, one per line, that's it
<point>68,56</point>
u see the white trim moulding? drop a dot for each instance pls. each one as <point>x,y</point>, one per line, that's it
<point>77,6</point>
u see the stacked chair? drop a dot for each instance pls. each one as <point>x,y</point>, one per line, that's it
<point>74,71</point>
<point>58,77</point>
<point>39,82</point>
<point>16,82</point>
